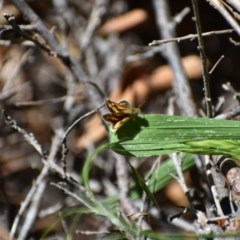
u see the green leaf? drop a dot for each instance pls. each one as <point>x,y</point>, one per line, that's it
<point>149,135</point>
<point>141,182</point>
<point>88,164</point>
<point>161,176</point>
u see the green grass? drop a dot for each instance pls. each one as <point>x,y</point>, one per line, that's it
<point>151,135</point>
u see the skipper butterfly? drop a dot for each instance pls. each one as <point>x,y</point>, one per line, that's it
<point>121,112</point>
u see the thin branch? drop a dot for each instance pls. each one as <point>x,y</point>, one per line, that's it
<point>231,10</point>
<point>80,119</point>
<point>229,115</point>
<point>24,27</point>
<point>206,78</point>
<point>180,16</point>
<point>216,64</point>
<point>123,180</point>
<point>177,164</point>
<point>12,21</point>
<point>190,37</point>
<point>215,180</point>
<point>70,62</point>
<point>93,22</point>
<point>33,209</point>
<point>41,102</point>
<point>217,4</point>
<point>35,194</point>
<point>64,138</point>
<point>237,44</point>
<point>171,53</point>
<point>80,198</point>
<point>57,49</point>
<point>29,137</point>
<point>235,4</point>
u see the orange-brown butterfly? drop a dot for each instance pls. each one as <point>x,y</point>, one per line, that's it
<point>121,112</point>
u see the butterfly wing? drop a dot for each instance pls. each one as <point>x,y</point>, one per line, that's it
<point>118,108</point>
<point>121,112</point>
<point>117,121</point>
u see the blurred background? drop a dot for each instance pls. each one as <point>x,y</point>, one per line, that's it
<point>101,52</point>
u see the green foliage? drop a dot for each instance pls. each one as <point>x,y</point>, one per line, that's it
<point>141,183</point>
<point>163,173</point>
<point>150,135</point>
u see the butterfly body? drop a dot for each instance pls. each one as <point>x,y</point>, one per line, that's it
<point>121,112</point>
